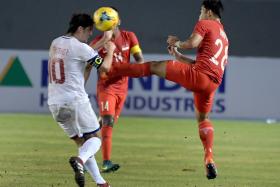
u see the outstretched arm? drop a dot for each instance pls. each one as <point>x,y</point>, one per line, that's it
<point>107,36</point>
<point>106,62</point>
<point>192,42</point>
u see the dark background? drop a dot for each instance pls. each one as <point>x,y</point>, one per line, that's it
<point>252,26</point>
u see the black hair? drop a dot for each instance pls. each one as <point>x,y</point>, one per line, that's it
<point>215,6</point>
<point>83,20</point>
<point>114,8</point>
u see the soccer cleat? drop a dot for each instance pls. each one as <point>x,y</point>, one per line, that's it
<point>211,170</point>
<point>103,185</point>
<point>108,166</point>
<point>78,167</point>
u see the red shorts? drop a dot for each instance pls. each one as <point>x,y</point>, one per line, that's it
<point>199,83</point>
<point>110,104</point>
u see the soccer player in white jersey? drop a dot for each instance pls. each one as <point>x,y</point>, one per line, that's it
<point>68,101</point>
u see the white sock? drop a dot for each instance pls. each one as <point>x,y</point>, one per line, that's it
<point>93,170</point>
<point>89,148</point>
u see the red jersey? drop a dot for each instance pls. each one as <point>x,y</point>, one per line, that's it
<point>126,43</point>
<point>212,53</point>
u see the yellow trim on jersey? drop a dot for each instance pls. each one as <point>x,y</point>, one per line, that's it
<point>135,49</point>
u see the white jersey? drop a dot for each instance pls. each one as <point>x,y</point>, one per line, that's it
<point>67,60</point>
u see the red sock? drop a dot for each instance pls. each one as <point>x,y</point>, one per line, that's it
<point>106,133</point>
<point>206,133</point>
<point>131,70</point>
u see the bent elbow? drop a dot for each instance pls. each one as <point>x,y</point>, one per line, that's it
<point>105,68</point>
<point>188,45</point>
<point>194,44</point>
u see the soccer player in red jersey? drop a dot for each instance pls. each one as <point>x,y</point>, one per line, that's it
<point>112,92</point>
<point>202,76</point>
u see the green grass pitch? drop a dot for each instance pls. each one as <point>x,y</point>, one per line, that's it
<point>152,152</point>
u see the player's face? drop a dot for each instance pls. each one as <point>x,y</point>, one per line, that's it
<point>86,33</point>
<point>203,13</point>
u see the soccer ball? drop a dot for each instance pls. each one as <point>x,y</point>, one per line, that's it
<point>105,18</point>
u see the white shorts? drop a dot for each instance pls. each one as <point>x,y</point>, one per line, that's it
<point>75,119</point>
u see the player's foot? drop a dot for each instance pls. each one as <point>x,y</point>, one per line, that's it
<point>211,170</point>
<point>103,185</point>
<point>108,166</point>
<point>78,167</point>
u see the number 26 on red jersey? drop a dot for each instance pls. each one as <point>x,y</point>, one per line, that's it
<point>218,54</point>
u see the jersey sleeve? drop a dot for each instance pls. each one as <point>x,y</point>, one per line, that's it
<point>134,44</point>
<point>91,56</point>
<point>201,28</point>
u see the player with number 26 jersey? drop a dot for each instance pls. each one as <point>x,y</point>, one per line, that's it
<point>212,53</point>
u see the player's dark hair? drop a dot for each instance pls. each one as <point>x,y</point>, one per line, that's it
<point>215,6</point>
<point>114,8</point>
<point>83,20</point>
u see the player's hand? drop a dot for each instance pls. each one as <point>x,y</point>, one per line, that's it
<point>171,40</point>
<point>107,35</point>
<point>110,46</point>
<point>171,50</point>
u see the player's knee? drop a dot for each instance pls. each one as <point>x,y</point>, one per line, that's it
<point>108,120</point>
<point>79,141</point>
<point>89,135</point>
<point>158,68</point>
<point>201,116</point>
<point>100,121</point>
